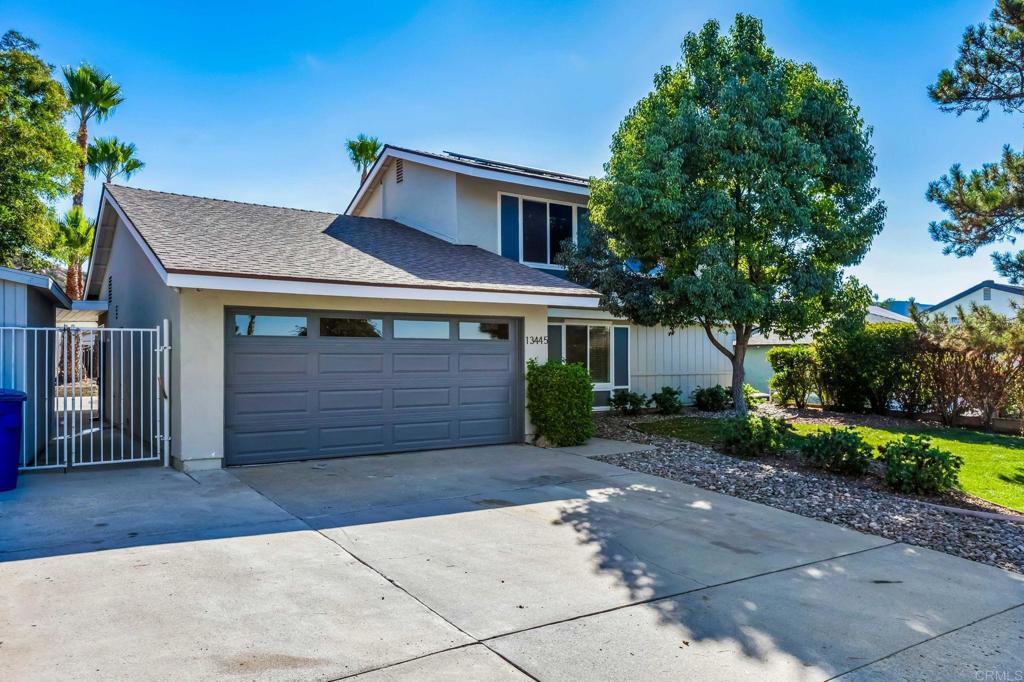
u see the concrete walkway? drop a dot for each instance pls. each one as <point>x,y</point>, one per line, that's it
<point>499,563</point>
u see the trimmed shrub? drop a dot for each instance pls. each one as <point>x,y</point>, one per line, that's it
<point>711,399</point>
<point>560,398</point>
<point>628,402</point>
<point>912,465</point>
<point>668,400</point>
<point>839,450</point>
<point>868,367</point>
<point>755,436</point>
<point>795,373</point>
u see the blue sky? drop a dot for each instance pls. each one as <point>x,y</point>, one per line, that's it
<point>253,102</point>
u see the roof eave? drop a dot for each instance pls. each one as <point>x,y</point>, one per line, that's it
<point>269,285</point>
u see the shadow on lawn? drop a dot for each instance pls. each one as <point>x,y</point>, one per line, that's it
<point>1016,477</point>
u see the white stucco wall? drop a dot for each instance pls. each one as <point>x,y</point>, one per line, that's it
<point>141,300</point>
<point>425,199</point>
<point>1000,302</point>
<point>201,344</point>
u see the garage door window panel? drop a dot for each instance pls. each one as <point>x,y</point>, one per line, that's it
<point>422,329</point>
<point>270,325</point>
<point>483,331</point>
<point>352,327</point>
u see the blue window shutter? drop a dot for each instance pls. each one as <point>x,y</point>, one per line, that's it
<point>621,356</point>
<point>555,343</point>
<point>510,227</point>
<point>582,226</point>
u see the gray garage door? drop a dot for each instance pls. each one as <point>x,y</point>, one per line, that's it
<point>309,384</point>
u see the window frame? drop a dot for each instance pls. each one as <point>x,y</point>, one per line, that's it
<point>609,385</point>
<point>574,209</point>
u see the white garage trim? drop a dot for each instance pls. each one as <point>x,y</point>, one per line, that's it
<point>281,286</point>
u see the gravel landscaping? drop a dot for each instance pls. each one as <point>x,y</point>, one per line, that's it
<point>861,503</point>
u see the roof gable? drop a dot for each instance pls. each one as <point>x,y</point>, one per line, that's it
<point>470,165</point>
<point>991,284</point>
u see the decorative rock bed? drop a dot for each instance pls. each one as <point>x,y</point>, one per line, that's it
<point>856,503</point>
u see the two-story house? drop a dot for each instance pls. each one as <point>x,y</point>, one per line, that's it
<point>403,324</point>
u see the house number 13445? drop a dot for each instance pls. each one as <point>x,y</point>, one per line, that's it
<point>537,340</point>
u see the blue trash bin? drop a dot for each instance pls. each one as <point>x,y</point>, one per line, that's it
<point>10,436</point>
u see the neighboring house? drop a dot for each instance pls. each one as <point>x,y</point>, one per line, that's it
<point>999,297</point>
<point>404,324</point>
<point>756,368</point>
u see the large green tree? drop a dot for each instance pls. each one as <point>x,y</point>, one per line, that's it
<point>37,160</point>
<point>736,193</point>
<point>984,206</point>
<point>94,96</point>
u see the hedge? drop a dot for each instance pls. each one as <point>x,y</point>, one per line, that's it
<point>560,399</point>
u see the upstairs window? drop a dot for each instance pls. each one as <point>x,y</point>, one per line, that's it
<point>545,226</point>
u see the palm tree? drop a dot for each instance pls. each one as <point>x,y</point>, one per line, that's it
<point>72,245</point>
<point>363,151</point>
<point>93,95</point>
<point>110,157</point>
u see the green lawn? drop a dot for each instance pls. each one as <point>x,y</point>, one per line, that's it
<point>993,464</point>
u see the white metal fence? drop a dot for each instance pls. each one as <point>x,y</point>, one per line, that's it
<point>95,395</point>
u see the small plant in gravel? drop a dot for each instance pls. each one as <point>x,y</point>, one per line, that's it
<point>755,436</point>
<point>913,465</point>
<point>752,397</point>
<point>711,399</point>
<point>841,450</point>
<point>628,402</point>
<point>668,400</point>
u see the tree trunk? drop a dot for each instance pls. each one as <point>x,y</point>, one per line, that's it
<point>73,281</point>
<point>83,144</point>
<point>73,288</point>
<point>736,357</point>
<point>739,354</point>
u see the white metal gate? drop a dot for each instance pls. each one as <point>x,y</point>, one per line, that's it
<point>95,395</point>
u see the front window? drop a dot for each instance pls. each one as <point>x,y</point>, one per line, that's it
<point>545,226</point>
<point>590,346</point>
<point>602,349</point>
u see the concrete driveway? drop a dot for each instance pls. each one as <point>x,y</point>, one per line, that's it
<point>498,563</point>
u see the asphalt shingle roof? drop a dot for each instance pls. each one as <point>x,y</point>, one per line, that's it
<point>195,235</point>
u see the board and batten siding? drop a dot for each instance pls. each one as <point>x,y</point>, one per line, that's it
<point>683,360</point>
<point>13,304</point>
